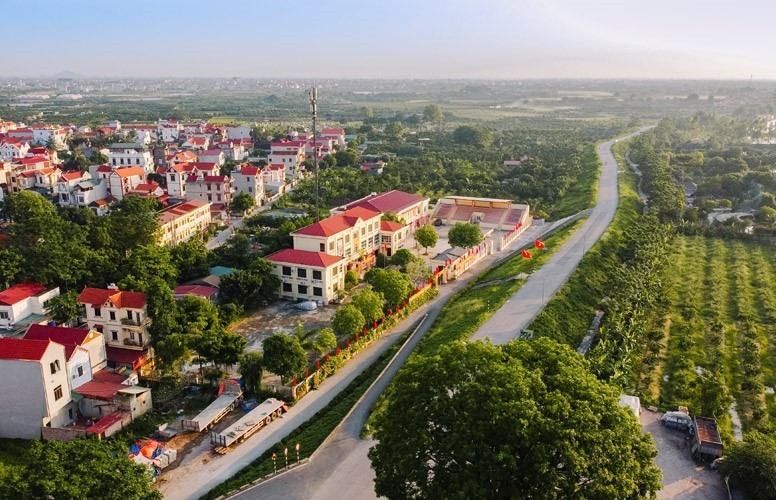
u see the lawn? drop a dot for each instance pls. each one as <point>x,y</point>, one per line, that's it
<point>584,192</point>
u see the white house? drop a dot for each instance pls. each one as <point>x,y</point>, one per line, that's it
<point>43,134</point>
<point>92,341</point>
<point>168,130</point>
<point>35,392</point>
<point>13,149</point>
<point>124,180</point>
<point>289,154</point>
<point>21,301</point>
<point>249,180</point>
<point>183,221</point>
<point>213,156</point>
<point>216,189</point>
<point>336,134</point>
<point>130,154</point>
<point>238,132</point>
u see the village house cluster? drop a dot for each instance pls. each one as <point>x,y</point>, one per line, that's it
<point>179,164</point>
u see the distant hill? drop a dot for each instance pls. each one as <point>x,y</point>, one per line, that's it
<point>68,74</point>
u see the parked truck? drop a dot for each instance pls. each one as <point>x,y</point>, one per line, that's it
<point>706,441</point>
<point>259,417</point>
<point>230,394</point>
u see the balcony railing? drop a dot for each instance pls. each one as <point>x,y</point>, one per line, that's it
<point>132,322</point>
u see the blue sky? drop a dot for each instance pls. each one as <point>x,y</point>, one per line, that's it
<point>393,39</point>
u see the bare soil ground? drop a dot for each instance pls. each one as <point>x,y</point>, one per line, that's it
<point>280,317</point>
<point>683,478</point>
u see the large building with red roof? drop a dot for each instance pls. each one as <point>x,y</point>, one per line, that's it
<point>411,208</point>
<point>183,221</point>
<point>35,388</point>
<point>22,301</point>
<point>306,275</point>
<point>91,340</point>
<point>351,234</point>
<point>121,317</point>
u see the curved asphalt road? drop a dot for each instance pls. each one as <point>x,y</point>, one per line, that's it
<point>340,468</point>
<point>520,310</point>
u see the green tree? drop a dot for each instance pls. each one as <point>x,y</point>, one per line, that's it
<point>242,202</point>
<point>367,112</point>
<point>325,340</point>
<point>284,356</point>
<point>252,287</point>
<point>395,286</point>
<point>190,258</point>
<point>465,235</point>
<point>145,263</point>
<point>751,465</point>
<point>402,257</point>
<point>162,308</point>
<point>369,303</point>
<point>395,132</point>
<point>351,279</point>
<point>82,468</point>
<point>426,237</point>
<point>64,308</point>
<point>417,270</point>
<point>133,223</point>
<point>347,321</point>
<point>471,135</point>
<point>10,262</point>
<point>481,421</point>
<point>433,113</point>
<point>171,350</point>
<point>390,216</point>
<point>252,369</point>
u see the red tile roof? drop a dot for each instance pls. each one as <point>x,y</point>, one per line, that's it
<point>20,292</point>
<point>391,226</point>
<point>106,422</point>
<point>249,171</point>
<point>338,223</point>
<point>133,358</point>
<point>71,176</point>
<point>204,165</point>
<point>23,349</point>
<point>392,201</point>
<point>304,258</point>
<point>96,389</point>
<point>60,335</point>
<point>276,166</point>
<point>181,209</point>
<point>109,376</point>
<point>99,297</point>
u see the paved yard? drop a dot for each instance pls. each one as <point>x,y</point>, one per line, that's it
<point>279,317</point>
<point>682,477</point>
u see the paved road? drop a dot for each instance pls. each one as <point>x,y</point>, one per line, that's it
<point>340,468</point>
<point>520,310</point>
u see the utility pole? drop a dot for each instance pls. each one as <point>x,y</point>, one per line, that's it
<point>312,93</point>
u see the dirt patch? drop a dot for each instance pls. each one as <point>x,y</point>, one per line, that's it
<point>280,317</point>
<point>682,477</point>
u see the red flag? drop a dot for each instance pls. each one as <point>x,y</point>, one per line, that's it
<point>294,381</point>
<point>526,254</point>
<point>519,225</point>
<point>374,325</point>
<point>539,244</point>
<point>338,351</point>
<point>306,372</point>
<point>349,343</point>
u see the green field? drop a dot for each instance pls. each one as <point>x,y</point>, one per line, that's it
<point>583,193</point>
<point>719,328</point>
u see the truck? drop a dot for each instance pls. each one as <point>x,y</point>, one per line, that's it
<point>706,441</point>
<point>251,422</point>
<point>230,394</point>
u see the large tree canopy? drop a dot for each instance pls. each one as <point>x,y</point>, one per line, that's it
<point>526,420</point>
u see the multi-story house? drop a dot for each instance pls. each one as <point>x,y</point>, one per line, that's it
<point>336,134</point>
<point>44,134</point>
<point>130,154</point>
<point>181,222</point>
<point>235,149</point>
<point>353,235</point>
<point>124,180</point>
<point>168,130</point>
<point>249,180</point>
<point>274,173</point>
<point>238,132</point>
<point>289,154</point>
<point>196,143</point>
<point>91,340</point>
<point>37,389</point>
<point>67,183</point>
<point>122,319</point>
<point>306,275</point>
<point>47,179</point>
<point>13,148</point>
<point>216,189</point>
<point>411,208</point>
<point>213,156</point>
<point>22,301</point>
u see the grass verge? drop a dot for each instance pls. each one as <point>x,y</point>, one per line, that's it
<point>567,316</point>
<point>583,193</point>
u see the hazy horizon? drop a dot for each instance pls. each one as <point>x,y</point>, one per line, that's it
<point>342,39</point>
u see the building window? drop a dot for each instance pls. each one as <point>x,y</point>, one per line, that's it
<point>80,370</point>
<point>114,335</point>
<point>4,315</point>
<point>318,291</point>
<point>57,393</point>
<point>287,287</point>
<point>286,271</point>
<point>322,248</point>
<point>316,275</point>
<point>54,366</point>
<point>302,289</point>
<point>98,312</point>
<point>301,273</point>
<point>140,337</point>
<point>112,315</point>
<point>70,413</point>
<point>131,335</point>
